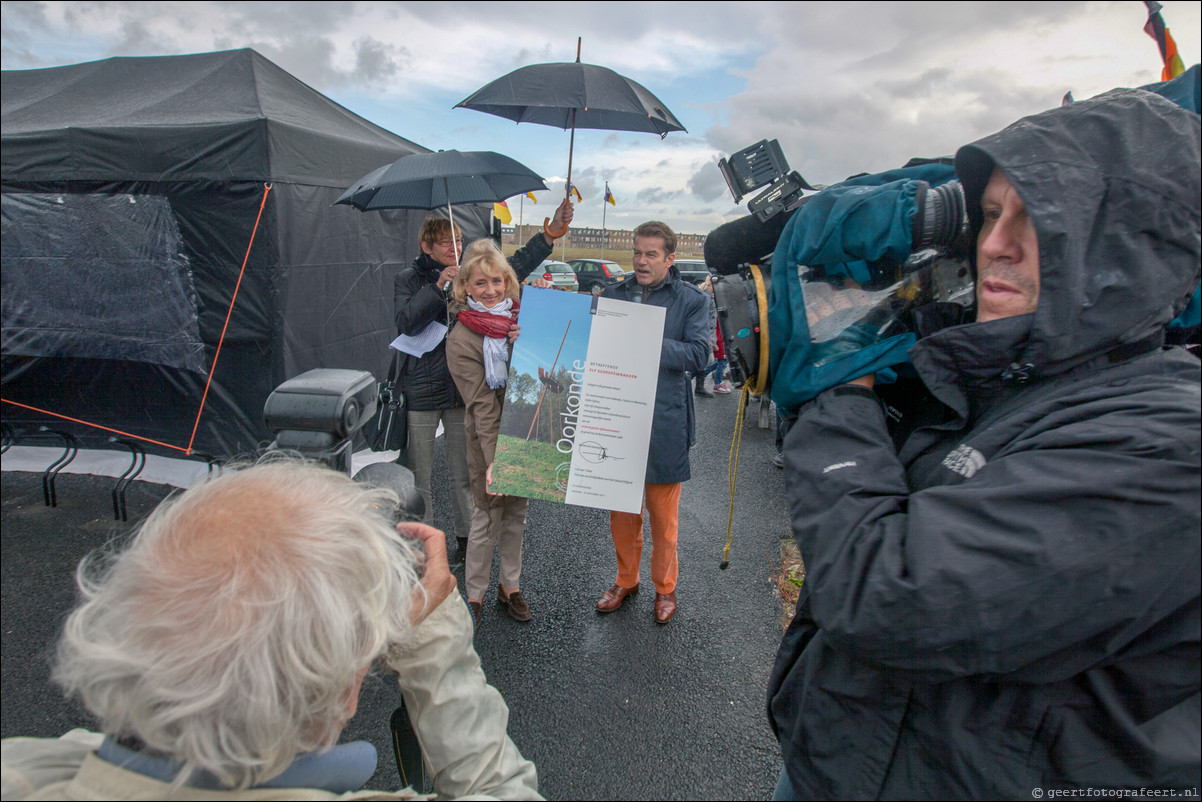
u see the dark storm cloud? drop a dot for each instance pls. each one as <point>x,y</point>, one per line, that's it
<point>707,184</point>
<point>374,63</point>
<point>657,196</point>
<point>292,34</point>
<point>908,89</point>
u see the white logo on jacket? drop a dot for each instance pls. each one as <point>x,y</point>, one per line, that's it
<point>839,465</point>
<point>964,460</point>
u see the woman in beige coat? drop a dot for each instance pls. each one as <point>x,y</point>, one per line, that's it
<point>486,294</point>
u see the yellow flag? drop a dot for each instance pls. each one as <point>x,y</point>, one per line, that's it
<point>501,212</point>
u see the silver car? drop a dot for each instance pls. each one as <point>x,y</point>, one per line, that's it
<point>560,274</point>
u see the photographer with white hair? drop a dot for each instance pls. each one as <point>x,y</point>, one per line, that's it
<point>223,648</point>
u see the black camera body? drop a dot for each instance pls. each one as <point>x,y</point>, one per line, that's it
<point>741,299</point>
<point>844,314</point>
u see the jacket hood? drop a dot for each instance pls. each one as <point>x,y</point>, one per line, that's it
<point>1112,185</point>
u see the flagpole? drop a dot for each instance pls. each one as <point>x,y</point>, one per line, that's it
<point>604,203</point>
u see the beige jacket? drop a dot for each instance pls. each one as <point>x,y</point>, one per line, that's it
<point>444,688</point>
<point>482,418</point>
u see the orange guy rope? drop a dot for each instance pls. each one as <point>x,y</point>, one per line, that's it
<point>208,379</point>
<point>94,425</point>
<point>229,313</point>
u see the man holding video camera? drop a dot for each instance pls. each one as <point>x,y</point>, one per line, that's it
<point>1008,602</point>
<point>222,651</point>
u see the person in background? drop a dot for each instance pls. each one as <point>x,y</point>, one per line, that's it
<point>718,366</point>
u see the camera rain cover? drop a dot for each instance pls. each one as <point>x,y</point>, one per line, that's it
<point>97,276</point>
<point>857,305</point>
<point>860,318</point>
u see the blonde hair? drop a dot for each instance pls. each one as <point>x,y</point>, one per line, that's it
<point>485,256</point>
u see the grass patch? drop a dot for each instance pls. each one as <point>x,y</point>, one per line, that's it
<point>530,469</point>
<point>788,573</point>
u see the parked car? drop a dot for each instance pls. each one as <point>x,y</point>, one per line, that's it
<point>560,274</point>
<point>595,275</point>
<point>693,271</point>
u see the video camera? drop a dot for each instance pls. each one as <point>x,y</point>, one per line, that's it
<point>872,263</point>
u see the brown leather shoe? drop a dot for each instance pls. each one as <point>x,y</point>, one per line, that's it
<point>519,610</point>
<point>477,611</point>
<point>665,607</point>
<point>615,597</point>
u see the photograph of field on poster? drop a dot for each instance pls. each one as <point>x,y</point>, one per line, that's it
<point>533,457</point>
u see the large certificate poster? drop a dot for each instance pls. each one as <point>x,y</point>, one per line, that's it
<point>580,399</point>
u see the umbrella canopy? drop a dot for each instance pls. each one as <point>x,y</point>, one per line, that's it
<point>572,94</point>
<point>446,178</point>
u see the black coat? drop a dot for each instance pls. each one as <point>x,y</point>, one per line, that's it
<point>417,302</point>
<point>1011,602</point>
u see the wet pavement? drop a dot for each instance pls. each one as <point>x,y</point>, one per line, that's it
<point>607,707</point>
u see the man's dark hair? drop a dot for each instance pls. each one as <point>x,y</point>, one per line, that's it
<point>654,228</point>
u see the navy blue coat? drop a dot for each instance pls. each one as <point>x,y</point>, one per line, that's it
<point>686,349</point>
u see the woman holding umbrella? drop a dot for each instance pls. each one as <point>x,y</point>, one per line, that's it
<point>420,298</point>
<point>486,294</point>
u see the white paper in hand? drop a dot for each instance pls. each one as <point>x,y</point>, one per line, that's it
<point>421,343</point>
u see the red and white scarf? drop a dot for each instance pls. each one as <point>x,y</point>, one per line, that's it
<point>492,324</point>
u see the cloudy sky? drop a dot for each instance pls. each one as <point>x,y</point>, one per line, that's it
<point>846,87</point>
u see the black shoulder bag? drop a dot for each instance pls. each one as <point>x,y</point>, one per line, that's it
<point>392,416</point>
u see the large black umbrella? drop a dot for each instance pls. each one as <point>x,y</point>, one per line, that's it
<point>571,95</point>
<point>446,178</point>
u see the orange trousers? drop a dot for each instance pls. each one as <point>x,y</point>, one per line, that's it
<point>662,502</point>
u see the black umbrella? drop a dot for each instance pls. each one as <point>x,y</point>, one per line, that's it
<point>570,96</point>
<point>446,178</point>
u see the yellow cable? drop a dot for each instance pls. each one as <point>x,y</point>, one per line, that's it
<point>758,384</point>
<point>732,471</point>
<point>755,385</point>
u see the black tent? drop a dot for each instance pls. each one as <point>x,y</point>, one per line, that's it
<point>162,212</point>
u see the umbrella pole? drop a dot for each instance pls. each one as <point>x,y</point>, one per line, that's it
<point>571,148</point>
<point>451,215</point>
<point>568,194</point>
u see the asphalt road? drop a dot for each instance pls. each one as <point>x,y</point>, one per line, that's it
<point>607,707</point>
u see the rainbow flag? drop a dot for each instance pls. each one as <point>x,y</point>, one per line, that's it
<point>609,197</point>
<point>576,192</point>
<point>1155,27</point>
<point>501,212</point>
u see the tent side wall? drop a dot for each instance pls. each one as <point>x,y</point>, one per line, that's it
<point>337,267</point>
<point>315,293</point>
<point>151,399</point>
<point>200,135</point>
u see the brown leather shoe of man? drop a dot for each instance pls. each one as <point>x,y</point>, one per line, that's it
<point>665,607</point>
<point>518,609</point>
<point>615,597</point>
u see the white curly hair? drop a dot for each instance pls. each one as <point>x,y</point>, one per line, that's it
<point>231,632</point>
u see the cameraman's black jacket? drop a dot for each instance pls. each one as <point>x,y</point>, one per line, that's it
<point>418,301</point>
<point>1011,601</point>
